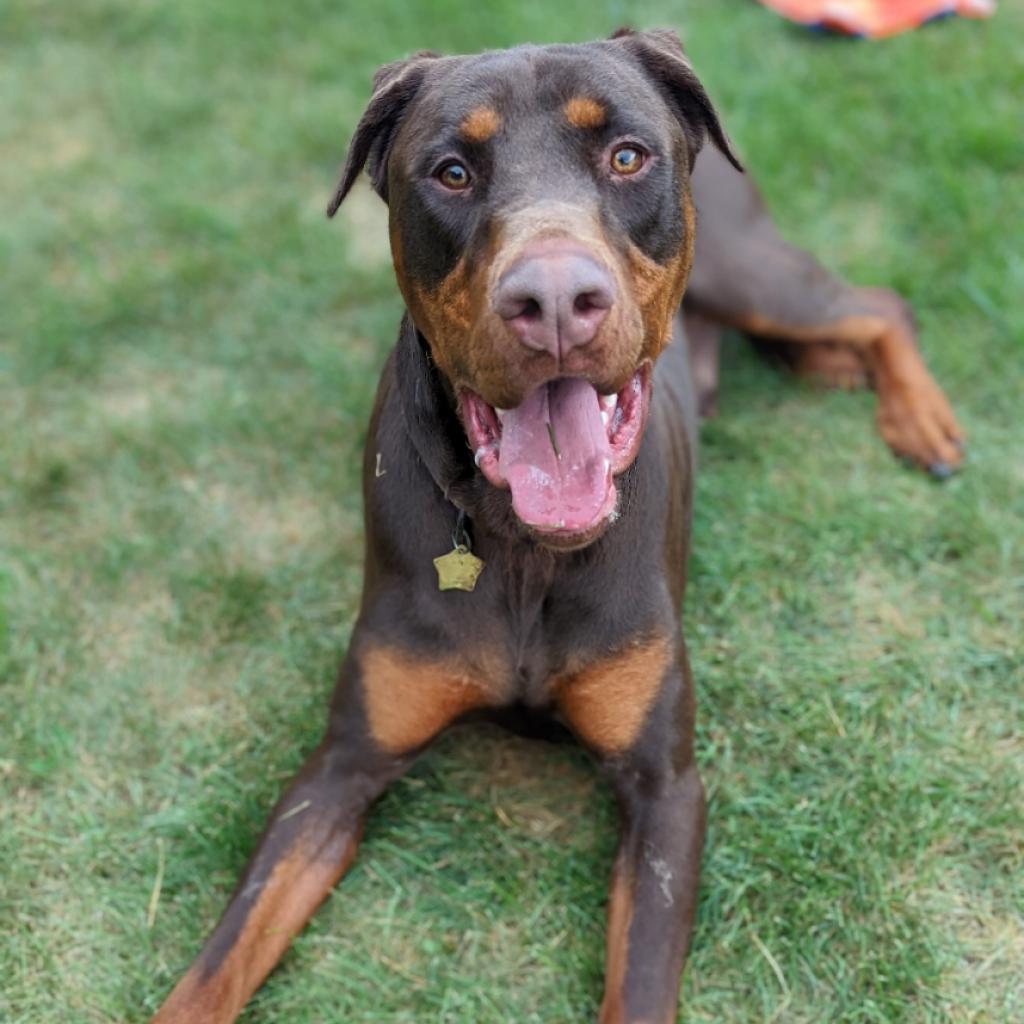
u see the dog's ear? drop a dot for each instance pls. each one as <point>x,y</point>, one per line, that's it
<point>394,86</point>
<point>660,53</point>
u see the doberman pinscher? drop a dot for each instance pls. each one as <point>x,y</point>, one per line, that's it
<point>529,464</point>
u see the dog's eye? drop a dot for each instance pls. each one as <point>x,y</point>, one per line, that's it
<point>454,176</point>
<point>627,160</point>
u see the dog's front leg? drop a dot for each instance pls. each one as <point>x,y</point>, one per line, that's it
<point>309,842</point>
<point>653,894</point>
<point>653,898</point>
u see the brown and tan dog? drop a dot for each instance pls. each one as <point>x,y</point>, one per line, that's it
<point>539,406</point>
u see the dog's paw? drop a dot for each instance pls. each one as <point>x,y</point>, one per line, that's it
<point>917,423</point>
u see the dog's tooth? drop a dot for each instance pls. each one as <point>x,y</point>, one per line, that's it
<point>478,455</point>
<point>609,401</point>
<point>500,413</point>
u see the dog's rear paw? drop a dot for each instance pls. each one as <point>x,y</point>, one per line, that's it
<point>917,423</point>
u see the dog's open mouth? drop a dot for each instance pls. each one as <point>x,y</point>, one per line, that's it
<point>560,449</point>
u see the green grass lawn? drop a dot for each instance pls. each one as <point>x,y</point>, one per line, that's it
<point>188,351</point>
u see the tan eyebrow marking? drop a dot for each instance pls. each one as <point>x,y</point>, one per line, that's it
<point>480,124</point>
<point>584,112</point>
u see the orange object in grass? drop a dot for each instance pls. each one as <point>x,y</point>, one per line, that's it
<point>876,18</point>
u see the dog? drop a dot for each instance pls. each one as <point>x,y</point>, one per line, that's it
<point>529,464</point>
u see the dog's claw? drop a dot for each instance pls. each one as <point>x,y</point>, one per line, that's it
<point>918,424</point>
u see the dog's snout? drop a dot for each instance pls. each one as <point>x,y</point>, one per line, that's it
<point>555,297</point>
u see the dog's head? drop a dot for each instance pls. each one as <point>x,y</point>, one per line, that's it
<point>542,233</point>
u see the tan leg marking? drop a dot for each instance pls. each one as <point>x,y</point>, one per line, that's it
<point>296,887</point>
<point>606,702</point>
<point>828,364</point>
<point>620,917</point>
<point>408,700</point>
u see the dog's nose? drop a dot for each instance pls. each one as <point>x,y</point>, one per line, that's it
<point>555,297</point>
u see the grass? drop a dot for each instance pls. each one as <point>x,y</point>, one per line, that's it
<point>187,356</point>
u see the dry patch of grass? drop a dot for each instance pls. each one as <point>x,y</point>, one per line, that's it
<point>983,982</point>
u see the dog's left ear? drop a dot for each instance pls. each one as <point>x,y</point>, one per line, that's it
<point>394,86</point>
<point>660,53</point>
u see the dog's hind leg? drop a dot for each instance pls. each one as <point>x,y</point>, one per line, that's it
<point>746,276</point>
<point>825,363</point>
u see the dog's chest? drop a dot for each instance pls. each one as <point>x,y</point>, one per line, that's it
<point>529,630</point>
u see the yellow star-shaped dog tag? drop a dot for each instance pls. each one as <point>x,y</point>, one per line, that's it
<point>458,570</point>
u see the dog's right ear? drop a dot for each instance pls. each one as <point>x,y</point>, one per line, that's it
<point>394,86</point>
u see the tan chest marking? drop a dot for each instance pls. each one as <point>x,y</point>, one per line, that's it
<point>409,700</point>
<point>607,702</point>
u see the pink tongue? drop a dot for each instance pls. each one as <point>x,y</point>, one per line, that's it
<point>556,457</point>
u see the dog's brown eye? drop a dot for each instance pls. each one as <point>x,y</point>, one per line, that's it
<point>454,176</point>
<point>627,160</point>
